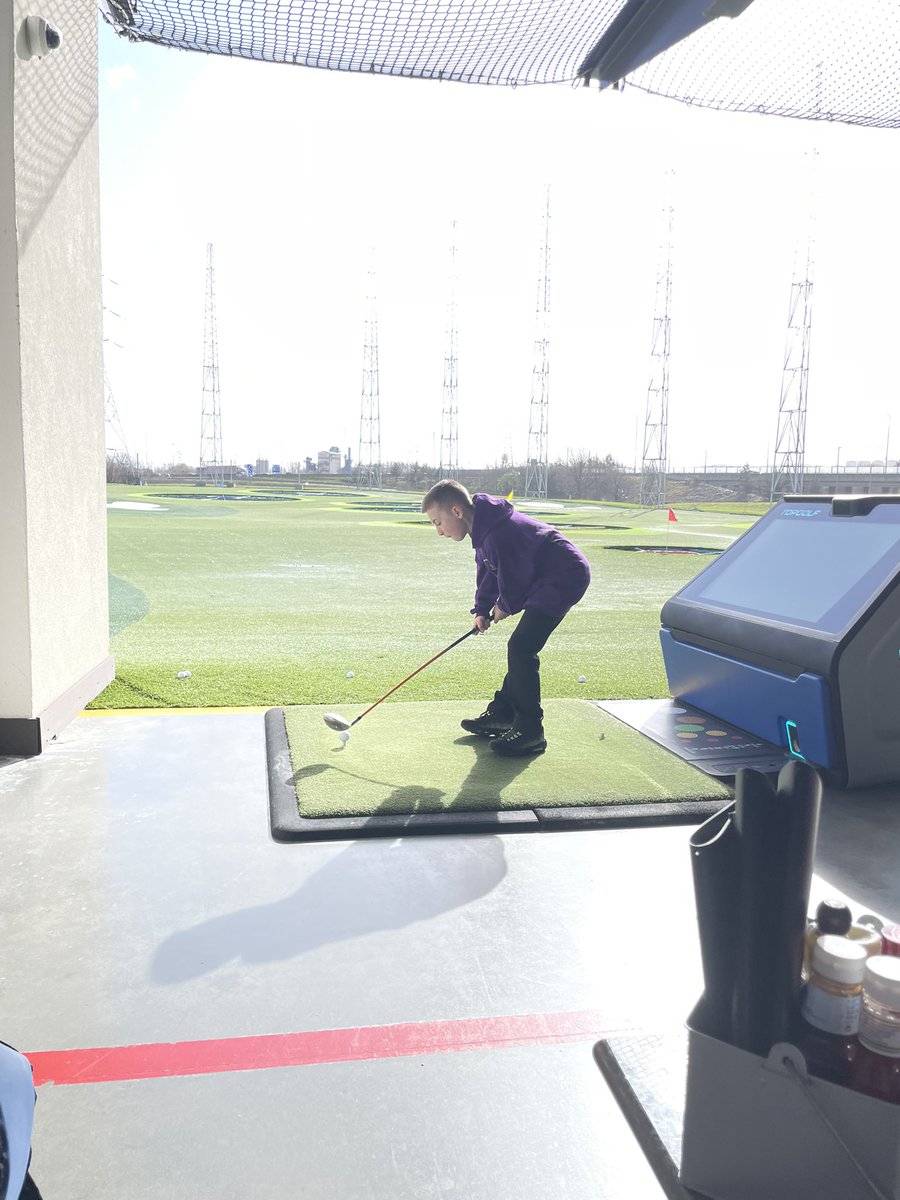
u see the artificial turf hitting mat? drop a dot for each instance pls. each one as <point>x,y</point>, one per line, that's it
<point>410,768</point>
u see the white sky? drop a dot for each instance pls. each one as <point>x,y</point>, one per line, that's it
<point>294,174</point>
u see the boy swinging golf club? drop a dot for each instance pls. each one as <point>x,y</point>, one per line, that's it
<point>522,565</point>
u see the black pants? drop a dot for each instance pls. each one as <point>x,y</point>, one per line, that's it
<point>520,695</point>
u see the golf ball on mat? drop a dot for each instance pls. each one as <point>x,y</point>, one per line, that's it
<point>582,679</point>
<point>344,735</point>
<point>350,674</point>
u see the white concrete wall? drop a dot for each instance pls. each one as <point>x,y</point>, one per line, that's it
<point>54,626</point>
<point>15,626</point>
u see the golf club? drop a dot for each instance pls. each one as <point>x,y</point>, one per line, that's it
<point>341,724</point>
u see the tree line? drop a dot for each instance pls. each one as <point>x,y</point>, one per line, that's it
<point>581,475</point>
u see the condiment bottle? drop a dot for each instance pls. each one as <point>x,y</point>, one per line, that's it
<point>876,1068</point>
<point>830,1008</point>
<point>870,920</point>
<point>867,937</point>
<point>890,937</point>
<point>832,916</point>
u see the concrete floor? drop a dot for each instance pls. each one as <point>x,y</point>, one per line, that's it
<point>145,903</point>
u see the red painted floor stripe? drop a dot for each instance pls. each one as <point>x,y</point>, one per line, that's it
<point>114,1063</point>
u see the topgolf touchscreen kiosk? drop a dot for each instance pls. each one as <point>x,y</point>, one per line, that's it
<point>793,634</point>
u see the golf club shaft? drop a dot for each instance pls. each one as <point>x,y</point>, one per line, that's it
<point>415,672</point>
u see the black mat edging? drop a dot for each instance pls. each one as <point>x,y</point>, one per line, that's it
<point>286,824</point>
<point>630,816</point>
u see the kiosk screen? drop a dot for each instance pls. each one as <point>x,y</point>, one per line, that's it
<point>803,566</point>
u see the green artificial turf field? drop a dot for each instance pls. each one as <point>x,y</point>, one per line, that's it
<point>274,602</point>
<point>414,758</point>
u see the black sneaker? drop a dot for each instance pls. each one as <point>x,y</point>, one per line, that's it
<point>518,742</point>
<point>489,724</point>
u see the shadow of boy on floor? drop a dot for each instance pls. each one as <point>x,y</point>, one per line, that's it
<point>361,889</point>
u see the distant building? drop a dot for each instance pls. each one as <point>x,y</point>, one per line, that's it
<point>262,466</point>
<point>310,465</point>
<point>348,463</point>
<point>248,467</point>
<point>276,468</point>
<point>329,462</point>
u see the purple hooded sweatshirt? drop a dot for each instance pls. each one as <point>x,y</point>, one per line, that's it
<point>523,563</point>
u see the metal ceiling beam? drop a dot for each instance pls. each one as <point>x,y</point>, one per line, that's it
<point>644,28</point>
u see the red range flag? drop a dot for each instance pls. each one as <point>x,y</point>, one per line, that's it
<point>672,516</point>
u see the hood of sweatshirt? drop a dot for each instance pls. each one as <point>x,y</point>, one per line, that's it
<point>489,512</point>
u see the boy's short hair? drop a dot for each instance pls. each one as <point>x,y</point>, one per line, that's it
<point>446,493</point>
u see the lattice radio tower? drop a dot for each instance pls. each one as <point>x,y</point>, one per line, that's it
<point>790,438</point>
<point>212,466</point>
<point>368,467</point>
<point>654,460</point>
<point>449,458</point>
<point>120,468</point>
<point>536,460</point>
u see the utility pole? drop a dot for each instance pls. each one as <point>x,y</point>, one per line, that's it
<point>212,467</point>
<point>368,466</point>
<point>790,438</point>
<point>448,466</point>
<point>654,460</point>
<point>537,460</point>
<point>119,467</point>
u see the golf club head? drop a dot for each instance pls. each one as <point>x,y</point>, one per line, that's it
<point>333,721</point>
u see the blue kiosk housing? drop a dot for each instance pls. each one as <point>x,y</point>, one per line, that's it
<point>793,634</point>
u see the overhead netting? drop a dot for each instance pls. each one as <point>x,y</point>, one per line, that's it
<point>470,41</point>
<point>823,60</point>
<point>816,59</point>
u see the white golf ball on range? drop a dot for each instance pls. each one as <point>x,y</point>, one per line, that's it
<point>350,674</point>
<point>344,735</point>
<point>582,679</point>
<point>184,674</point>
